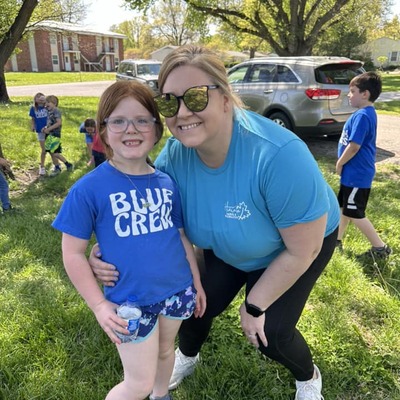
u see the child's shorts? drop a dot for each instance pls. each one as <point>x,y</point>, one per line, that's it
<point>353,201</point>
<point>179,306</point>
<point>52,144</point>
<point>41,136</point>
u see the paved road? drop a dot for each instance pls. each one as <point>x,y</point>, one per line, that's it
<point>62,89</point>
<point>388,141</point>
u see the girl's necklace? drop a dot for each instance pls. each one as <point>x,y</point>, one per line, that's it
<point>144,199</point>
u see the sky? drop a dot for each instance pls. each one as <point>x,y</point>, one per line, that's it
<point>104,13</point>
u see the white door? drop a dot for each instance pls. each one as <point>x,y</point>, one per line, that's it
<point>67,62</point>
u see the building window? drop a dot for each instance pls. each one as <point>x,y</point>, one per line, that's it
<point>55,59</point>
<point>394,56</point>
<point>53,39</point>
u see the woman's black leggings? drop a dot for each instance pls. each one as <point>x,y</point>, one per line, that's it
<point>286,345</point>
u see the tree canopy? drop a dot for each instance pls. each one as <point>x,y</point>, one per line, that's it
<point>291,27</point>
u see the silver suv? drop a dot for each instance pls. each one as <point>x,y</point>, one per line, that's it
<point>307,95</point>
<point>144,71</point>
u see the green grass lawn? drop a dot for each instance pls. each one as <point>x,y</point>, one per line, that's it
<point>51,347</point>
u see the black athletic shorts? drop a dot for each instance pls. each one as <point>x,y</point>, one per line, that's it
<point>353,201</point>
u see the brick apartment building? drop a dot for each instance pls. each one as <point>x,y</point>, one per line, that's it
<point>53,46</point>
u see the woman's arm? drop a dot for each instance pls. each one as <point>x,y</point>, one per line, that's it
<point>191,257</point>
<point>106,273</point>
<point>303,243</point>
<point>81,276</point>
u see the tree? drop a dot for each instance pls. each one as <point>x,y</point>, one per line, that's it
<point>10,39</point>
<point>16,17</point>
<point>291,27</point>
<point>171,22</point>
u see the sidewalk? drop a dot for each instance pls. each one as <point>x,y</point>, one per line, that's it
<point>389,96</point>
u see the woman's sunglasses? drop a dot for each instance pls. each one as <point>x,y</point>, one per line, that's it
<point>195,99</point>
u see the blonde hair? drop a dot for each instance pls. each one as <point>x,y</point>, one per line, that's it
<point>203,59</point>
<point>113,95</point>
<point>52,99</point>
<point>36,97</point>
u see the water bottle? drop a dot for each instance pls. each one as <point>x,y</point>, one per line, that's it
<point>129,311</point>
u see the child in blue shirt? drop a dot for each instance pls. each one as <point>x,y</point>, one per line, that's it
<point>135,213</point>
<point>38,113</point>
<point>356,161</point>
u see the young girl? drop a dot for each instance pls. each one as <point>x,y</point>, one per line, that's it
<point>135,212</point>
<point>93,143</point>
<point>38,114</point>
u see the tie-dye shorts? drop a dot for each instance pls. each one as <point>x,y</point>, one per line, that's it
<point>179,306</point>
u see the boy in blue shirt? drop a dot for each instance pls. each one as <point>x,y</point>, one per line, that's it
<point>356,163</point>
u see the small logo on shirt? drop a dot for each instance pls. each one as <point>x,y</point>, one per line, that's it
<point>239,212</point>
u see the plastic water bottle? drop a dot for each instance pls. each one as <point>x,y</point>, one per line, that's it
<point>129,311</point>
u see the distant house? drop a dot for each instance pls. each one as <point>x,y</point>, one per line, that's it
<point>160,54</point>
<point>389,48</point>
<point>54,46</point>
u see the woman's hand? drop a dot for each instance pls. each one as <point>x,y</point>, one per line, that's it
<point>253,327</point>
<point>106,273</point>
<point>107,318</point>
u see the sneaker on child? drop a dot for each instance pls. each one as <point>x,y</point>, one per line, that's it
<point>42,171</point>
<point>311,389</point>
<point>56,170</point>
<point>70,167</point>
<point>183,367</point>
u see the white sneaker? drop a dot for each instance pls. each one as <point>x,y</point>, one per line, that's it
<point>42,171</point>
<point>310,390</point>
<point>183,367</point>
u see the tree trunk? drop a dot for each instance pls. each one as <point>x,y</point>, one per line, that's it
<point>10,41</point>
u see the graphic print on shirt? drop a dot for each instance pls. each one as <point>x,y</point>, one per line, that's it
<point>239,212</point>
<point>135,215</point>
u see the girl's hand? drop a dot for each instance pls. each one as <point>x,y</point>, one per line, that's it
<point>253,327</point>
<point>201,301</point>
<point>106,273</point>
<point>107,318</point>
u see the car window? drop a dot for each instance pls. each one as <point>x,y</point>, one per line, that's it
<point>238,75</point>
<point>262,73</point>
<point>285,74</point>
<point>337,74</point>
<point>148,69</point>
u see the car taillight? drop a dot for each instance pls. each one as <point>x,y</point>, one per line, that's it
<point>323,94</point>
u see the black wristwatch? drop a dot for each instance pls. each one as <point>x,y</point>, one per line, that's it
<point>253,310</point>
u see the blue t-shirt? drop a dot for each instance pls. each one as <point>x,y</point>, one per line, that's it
<point>88,136</point>
<point>269,180</point>
<point>40,117</point>
<point>142,242</point>
<point>360,128</point>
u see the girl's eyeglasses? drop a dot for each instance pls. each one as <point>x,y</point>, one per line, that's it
<point>120,124</point>
<point>195,99</point>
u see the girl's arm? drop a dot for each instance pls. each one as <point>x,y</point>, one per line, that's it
<point>81,276</point>
<point>201,301</point>
<point>33,125</point>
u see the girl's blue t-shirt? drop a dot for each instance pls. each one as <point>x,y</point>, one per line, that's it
<point>360,128</point>
<point>142,242</point>
<point>40,116</point>
<point>268,181</point>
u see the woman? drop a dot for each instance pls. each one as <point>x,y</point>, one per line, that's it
<point>255,201</point>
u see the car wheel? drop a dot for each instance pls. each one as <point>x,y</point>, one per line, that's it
<point>281,119</point>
